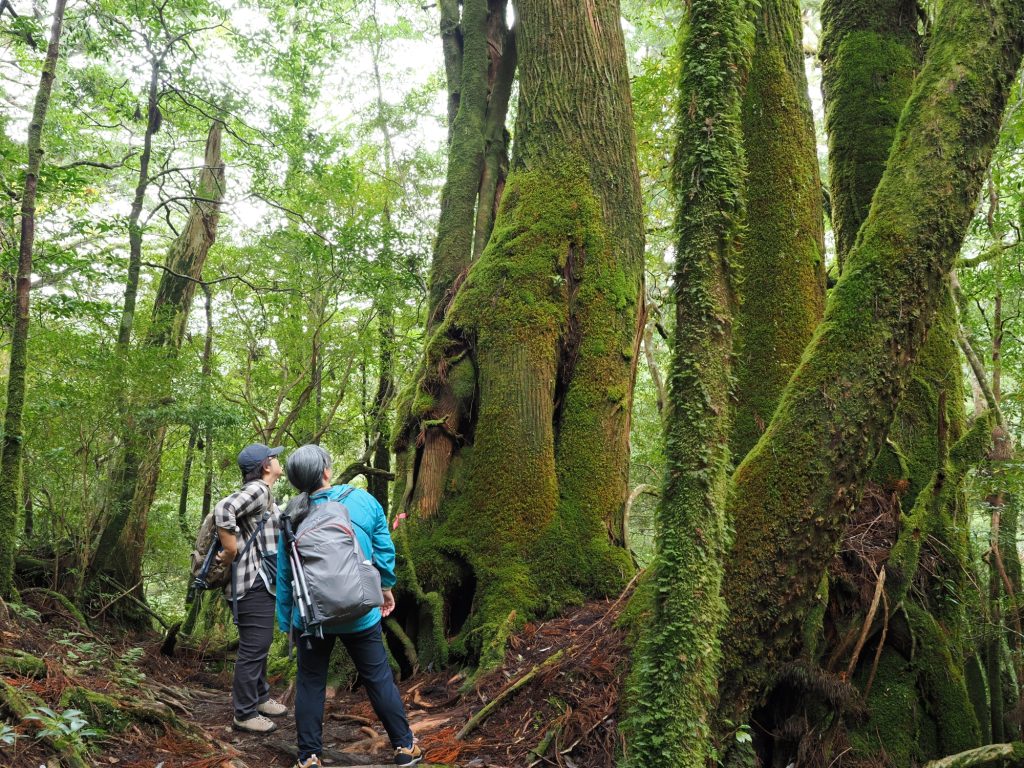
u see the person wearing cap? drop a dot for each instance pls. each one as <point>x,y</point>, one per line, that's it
<point>247,524</point>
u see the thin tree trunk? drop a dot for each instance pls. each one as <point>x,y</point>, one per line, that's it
<point>186,475</point>
<point>782,294</point>
<point>794,491</point>
<point>131,288</point>
<point>453,249</point>
<point>10,461</point>
<point>675,675</point>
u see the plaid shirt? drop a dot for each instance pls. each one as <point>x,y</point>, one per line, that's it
<point>241,513</point>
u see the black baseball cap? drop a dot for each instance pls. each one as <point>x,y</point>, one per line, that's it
<point>254,455</point>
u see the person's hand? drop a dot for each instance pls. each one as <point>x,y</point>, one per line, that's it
<point>225,557</point>
<point>389,604</point>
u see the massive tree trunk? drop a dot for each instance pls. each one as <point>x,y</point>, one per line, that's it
<point>794,492</point>
<point>10,462</point>
<point>674,681</point>
<point>136,480</point>
<point>480,61</point>
<point>781,262</point>
<point>537,351</point>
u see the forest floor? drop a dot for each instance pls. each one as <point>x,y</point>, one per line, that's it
<point>558,696</point>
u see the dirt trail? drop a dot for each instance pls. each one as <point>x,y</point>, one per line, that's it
<point>567,711</point>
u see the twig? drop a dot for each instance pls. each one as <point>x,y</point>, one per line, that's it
<point>869,619</point>
<point>507,693</point>
<point>881,644</point>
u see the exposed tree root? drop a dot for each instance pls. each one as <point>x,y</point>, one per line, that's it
<point>20,703</point>
<point>61,600</point>
<point>15,662</point>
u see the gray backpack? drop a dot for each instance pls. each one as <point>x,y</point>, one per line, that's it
<point>342,583</point>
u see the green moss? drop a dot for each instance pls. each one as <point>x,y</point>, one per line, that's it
<point>673,685</point>
<point>100,710</point>
<point>870,54</point>
<point>794,491</point>
<point>781,265</point>
<point>15,662</point>
<point>892,727</point>
<point>943,686</point>
<point>423,403</point>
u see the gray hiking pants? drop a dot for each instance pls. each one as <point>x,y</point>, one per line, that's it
<point>255,633</point>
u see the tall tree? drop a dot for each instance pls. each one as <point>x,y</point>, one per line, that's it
<point>781,264</point>
<point>673,688</point>
<point>10,461</point>
<point>537,350</point>
<point>182,270</point>
<point>794,491</point>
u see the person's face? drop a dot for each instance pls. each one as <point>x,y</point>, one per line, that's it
<point>273,471</point>
<point>327,476</point>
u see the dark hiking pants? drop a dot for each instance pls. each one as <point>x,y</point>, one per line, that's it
<point>366,650</point>
<point>255,633</point>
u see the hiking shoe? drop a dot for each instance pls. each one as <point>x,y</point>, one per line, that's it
<point>310,762</point>
<point>256,724</point>
<point>272,708</point>
<point>408,755</point>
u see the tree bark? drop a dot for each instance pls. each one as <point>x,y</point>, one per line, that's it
<point>537,352</point>
<point>794,491</point>
<point>674,682</point>
<point>139,472</point>
<point>782,292</point>
<point>10,460</point>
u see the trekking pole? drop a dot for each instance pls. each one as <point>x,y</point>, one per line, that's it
<point>302,598</point>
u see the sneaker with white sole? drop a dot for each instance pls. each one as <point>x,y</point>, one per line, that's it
<point>310,762</point>
<point>408,755</point>
<point>255,724</point>
<point>272,708</point>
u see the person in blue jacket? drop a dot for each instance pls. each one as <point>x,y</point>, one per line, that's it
<point>309,470</point>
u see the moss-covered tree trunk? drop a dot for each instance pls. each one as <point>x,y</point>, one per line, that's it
<point>125,532</point>
<point>781,264</point>
<point>480,63</point>
<point>673,684</point>
<point>870,54</point>
<point>537,351</point>
<point>10,461</point>
<point>794,492</point>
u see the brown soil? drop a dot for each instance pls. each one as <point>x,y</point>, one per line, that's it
<point>572,705</point>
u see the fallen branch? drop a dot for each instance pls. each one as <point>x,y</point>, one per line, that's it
<point>1002,755</point>
<point>507,693</point>
<point>541,749</point>
<point>66,604</point>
